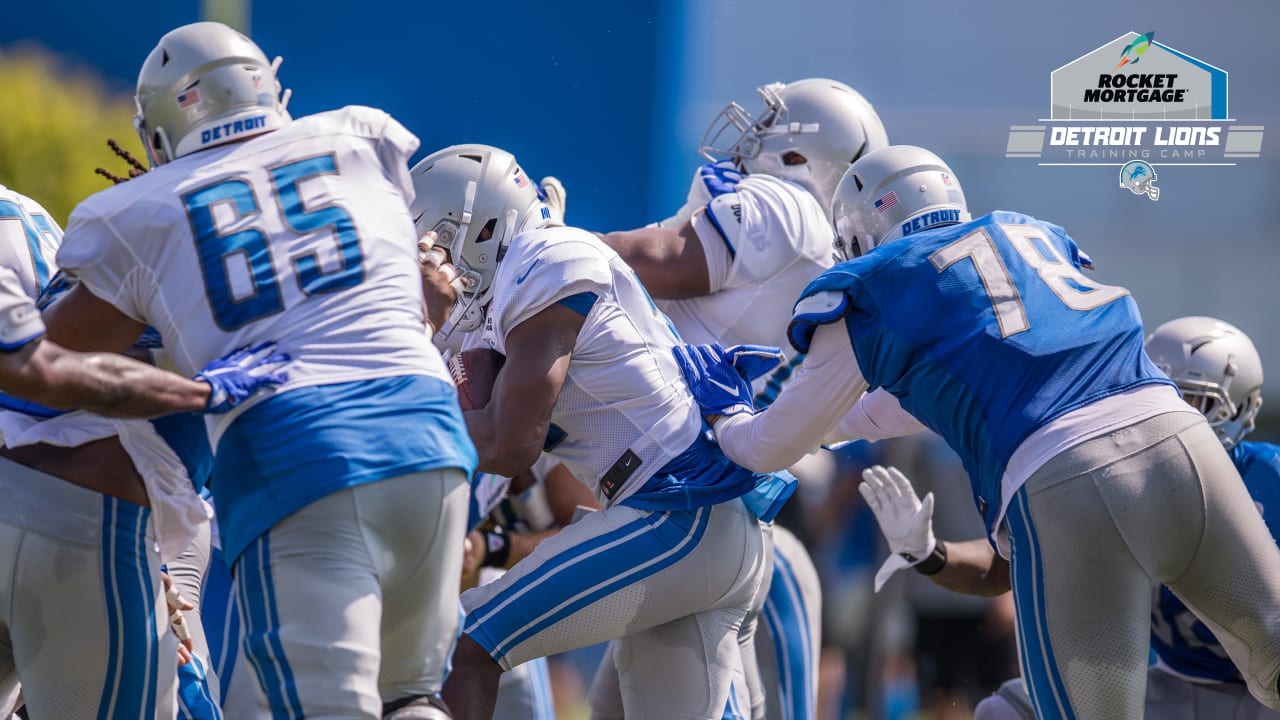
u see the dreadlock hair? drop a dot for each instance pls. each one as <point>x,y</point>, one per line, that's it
<point>135,168</point>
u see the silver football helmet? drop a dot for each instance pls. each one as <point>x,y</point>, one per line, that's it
<point>826,121</point>
<point>205,84</point>
<point>476,199</point>
<point>891,193</point>
<point>1216,367</point>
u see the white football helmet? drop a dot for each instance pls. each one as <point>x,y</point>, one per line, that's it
<point>476,199</point>
<point>1216,367</point>
<point>826,121</point>
<point>891,193</point>
<point>203,85</point>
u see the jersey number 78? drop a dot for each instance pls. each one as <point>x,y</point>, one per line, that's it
<point>1070,285</point>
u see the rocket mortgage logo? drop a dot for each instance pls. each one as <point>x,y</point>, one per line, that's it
<point>1137,105</point>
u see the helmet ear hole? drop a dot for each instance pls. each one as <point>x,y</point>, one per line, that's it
<point>486,232</point>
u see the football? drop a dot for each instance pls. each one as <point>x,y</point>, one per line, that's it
<point>474,372</point>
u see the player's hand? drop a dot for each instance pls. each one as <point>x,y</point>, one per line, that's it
<point>474,551</point>
<point>551,190</point>
<point>905,520</point>
<point>717,387</point>
<point>239,374</point>
<point>177,621</point>
<point>709,181</point>
<point>440,281</point>
<point>753,361</point>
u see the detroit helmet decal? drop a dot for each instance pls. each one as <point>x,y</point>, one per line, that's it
<point>1140,178</point>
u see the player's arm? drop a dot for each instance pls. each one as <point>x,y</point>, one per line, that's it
<point>670,262</point>
<point>103,383</point>
<point>510,431</point>
<point>808,410</point>
<point>970,567</point>
<point>82,321</point>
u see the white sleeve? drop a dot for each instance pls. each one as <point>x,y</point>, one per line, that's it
<point>823,389</point>
<point>95,254</point>
<point>558,272</point>
<point>20,321</point>
<point>877,415</point>
<point>715,248</point>
<point>395,146</point>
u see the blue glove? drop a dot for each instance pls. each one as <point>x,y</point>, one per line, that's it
<point>58,285</point>
<point>239,374</point>
<point>720,178</point>
<point>753,361</point>
<point>717,387</point>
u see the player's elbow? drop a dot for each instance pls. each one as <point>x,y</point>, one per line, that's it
<point>508,460</point>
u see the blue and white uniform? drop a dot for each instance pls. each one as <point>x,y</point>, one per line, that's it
<point>988,333</point>
<point>674,559</point>
<point>302,236</point>
<point>86,638</point>
<point>1193,677</point>
<point>764,239</point>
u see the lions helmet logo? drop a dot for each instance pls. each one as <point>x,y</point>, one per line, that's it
<point>1140,178</point>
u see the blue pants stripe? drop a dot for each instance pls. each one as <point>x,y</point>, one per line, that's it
<point>544,707</point>
<point>133,668</point>
<point>553,566</point>
<point>1040,668</point>
<point>195,700</point>
<point>599,570</point>
<point>788,621</point>
<point>731,709</point>
<point>262,631</point>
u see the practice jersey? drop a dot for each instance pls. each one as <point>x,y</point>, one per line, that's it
<point>29,240</point>
<point>985,331</point>
<point>1183,643</point>
<point>624,410</point>
<point>20,321</point>
<point>299,236</point>
<point>763,242</point>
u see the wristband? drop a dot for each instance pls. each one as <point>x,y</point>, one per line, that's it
<point>497,548</point>
<point>934,563</point>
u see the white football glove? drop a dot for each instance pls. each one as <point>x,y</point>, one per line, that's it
<point>905,521</point>
<point>555,196</point>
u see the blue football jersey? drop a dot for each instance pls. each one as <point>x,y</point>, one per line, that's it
<point>985,331</point>
<point>1177,635</point>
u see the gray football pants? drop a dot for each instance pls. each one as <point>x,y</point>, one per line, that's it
<point>1092,528</point>
<point>1169,697</point>
<point>352,601</point>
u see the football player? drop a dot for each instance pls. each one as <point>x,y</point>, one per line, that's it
<point>341,496</point>
<point>755,229</point>
<point>1218,370</point>
<point>94,506</point>
<point>1091,474</point>
<point>672,561</point>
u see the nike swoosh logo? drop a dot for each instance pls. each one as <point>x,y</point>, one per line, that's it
<point>735,391</point>
<point>526,272</point>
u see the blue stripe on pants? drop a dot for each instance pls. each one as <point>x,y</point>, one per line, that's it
<point>262,631</point>
<point>788,621</point>
<point>195,699</point>
<point>129,690</point>
<point>584,574</point>
<point>540,685</point>
<point>1039,667</point>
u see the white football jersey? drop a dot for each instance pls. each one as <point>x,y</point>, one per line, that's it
<point>20,321</point>
<point>301,236</point>
<point>624,410</point>
<point>29,239</point>
<point>763,244</point>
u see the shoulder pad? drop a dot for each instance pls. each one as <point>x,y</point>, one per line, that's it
<point>820,308</point>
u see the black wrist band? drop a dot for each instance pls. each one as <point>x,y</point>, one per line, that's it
<point>497,548</point>
<point>935,562</point>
